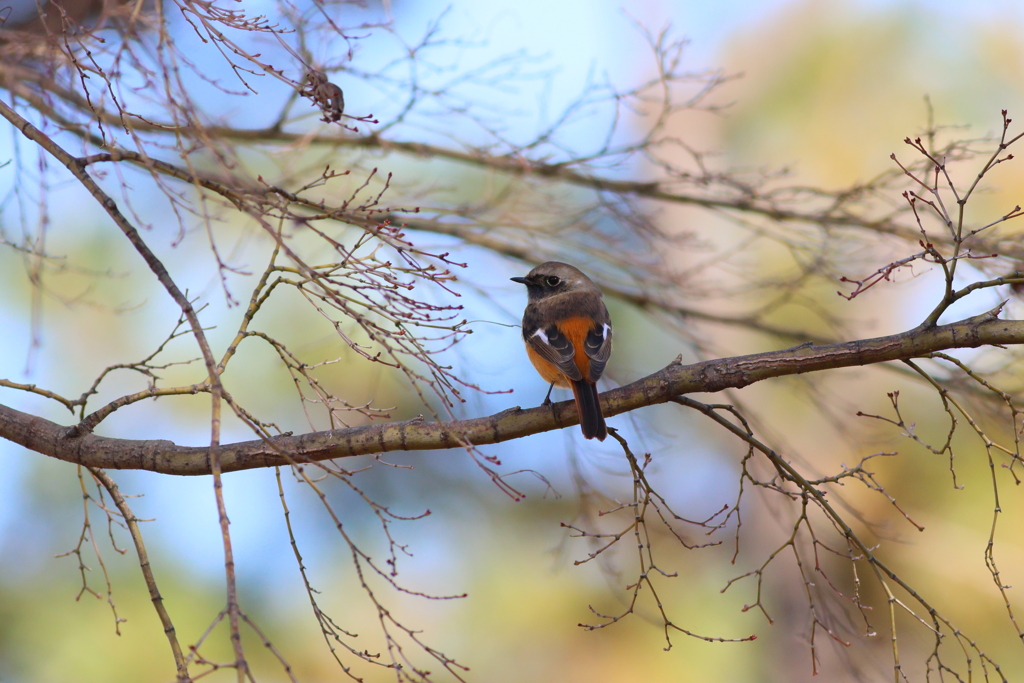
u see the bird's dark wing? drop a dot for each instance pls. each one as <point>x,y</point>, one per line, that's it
<point>598,347</point>
<point>554,347</point>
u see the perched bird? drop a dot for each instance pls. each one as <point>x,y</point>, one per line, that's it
<point>568,336</point>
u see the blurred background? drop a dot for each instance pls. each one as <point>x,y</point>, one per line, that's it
<point>827,89</point>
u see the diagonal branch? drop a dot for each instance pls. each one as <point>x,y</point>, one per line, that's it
<point>79,170</point>
<point>132,522</point>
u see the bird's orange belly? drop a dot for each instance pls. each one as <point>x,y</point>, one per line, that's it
<point>549,372</point>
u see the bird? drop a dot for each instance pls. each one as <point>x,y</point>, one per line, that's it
<point>568,336</point>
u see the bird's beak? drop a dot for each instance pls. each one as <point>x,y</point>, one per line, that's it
<point>520,280</point>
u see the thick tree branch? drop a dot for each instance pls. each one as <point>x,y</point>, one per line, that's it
<point>56,441</point>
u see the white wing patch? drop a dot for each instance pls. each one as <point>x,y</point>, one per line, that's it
<point>543,336</point>
<point>605,330</point>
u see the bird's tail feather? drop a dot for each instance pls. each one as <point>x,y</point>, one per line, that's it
<point>589,409</point>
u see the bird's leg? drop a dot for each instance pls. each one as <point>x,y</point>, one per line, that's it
<point>547,399</point>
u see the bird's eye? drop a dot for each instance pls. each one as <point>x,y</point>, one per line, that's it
<point>553,281</point>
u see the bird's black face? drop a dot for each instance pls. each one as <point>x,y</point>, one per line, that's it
<point>540,285</point>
